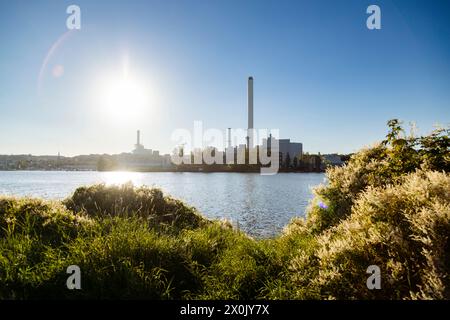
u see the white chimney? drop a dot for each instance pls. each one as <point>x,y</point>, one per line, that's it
<point>250,113</point>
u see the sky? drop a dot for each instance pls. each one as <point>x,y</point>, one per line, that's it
<point>321,77</point>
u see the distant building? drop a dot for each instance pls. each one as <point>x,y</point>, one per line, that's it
<point>288,150</point>
<point>139,148</point>
<point>240,154</point>
<point>141,158</point>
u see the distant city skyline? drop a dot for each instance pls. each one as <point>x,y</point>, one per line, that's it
<point>321,77</point>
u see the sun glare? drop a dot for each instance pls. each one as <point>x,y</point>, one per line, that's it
<point>124,98</point>
<point>121,177</point>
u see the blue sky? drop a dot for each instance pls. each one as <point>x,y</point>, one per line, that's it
<point>321,77</point>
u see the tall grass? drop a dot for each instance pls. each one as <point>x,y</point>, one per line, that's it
<point>403,228</point>
<point>389,206</point>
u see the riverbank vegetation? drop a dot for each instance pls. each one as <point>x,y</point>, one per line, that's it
<point>388,206</point>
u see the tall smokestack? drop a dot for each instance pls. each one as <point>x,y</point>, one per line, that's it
<point>250,113</point>
<point>138,142</point>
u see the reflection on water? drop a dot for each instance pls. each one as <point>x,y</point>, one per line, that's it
<point>261,205</point>
<point>121,177</point>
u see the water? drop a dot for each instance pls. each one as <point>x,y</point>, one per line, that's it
<point>260,205</point>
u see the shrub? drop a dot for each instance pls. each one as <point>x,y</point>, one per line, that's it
<point>383,164</point>
<point>126,200</point>
<point>403,228</point>
<point>120,256</point>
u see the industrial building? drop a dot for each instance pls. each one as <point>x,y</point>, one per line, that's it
<point>290,153</point>
<point>288,150</point>
<point>139,148</point>
<point>142,158</point>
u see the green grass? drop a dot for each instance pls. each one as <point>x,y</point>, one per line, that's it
<point>128,255</point>
<point>136,243</point>
<point>403,228</point>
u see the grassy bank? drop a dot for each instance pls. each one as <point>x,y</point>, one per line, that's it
<point>389,206</point>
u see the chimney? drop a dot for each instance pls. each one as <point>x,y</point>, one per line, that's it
<point>138,142</point>
<point>250,113</point>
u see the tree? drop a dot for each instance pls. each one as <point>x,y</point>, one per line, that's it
<point>288,160</point>
<point>435,150</point>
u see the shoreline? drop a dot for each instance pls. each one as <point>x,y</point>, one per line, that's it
<point>163,170</point>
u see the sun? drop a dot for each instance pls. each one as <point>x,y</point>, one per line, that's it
<point>123,98</point>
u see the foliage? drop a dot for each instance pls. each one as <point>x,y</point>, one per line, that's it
<point>388,206</point>
<point>125,200</point>
<point>381,165</point>
<point>403,228</point>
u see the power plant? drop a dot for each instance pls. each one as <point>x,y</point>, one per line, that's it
<point>138,147</point>
<point>288,151</point>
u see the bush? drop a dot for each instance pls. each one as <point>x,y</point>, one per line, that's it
<point>403,228</point>
<point>126,200</point>
<point>120,256</point>
<point>383,164</point>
